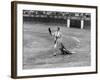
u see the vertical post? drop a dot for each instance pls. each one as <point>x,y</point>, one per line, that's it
<point>82,23</point>
<point>68,23</point>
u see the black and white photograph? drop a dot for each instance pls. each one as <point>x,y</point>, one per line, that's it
<point>54,39</point>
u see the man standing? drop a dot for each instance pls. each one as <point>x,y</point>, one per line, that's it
<point>57,39</point>
<point>58,45</point>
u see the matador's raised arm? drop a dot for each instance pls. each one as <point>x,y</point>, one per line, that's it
<point>50,31</point>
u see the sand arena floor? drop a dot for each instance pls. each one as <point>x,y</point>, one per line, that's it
<point>38,47</point>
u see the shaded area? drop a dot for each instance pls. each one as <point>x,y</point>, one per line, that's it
<point>75,23</point>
